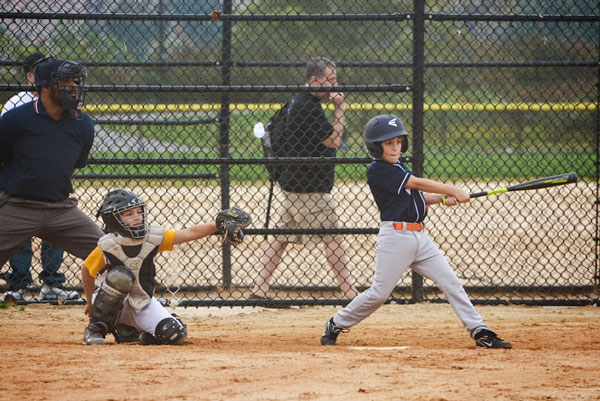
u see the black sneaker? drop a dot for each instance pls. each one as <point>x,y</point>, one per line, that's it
<point>149,339</point>
<point>489,339</point>
<point>331,333</point>
<point>94,333</point>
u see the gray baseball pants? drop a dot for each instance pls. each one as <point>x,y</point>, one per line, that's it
<point>397,250</point>
<point>59,223</point>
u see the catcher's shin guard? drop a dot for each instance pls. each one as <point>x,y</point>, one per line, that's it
<point>109,301</point>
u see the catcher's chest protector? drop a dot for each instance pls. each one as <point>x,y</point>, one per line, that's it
<point>110,243</point>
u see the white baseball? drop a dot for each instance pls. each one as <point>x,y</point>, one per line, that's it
<point>259,130</point>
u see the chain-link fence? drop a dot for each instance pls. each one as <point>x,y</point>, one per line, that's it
<point>493,93</point>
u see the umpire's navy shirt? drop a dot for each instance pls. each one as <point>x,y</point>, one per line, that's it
<point>40,153</point>
<point>388,186</point>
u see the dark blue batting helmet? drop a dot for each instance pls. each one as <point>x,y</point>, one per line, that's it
<point>382,128</point>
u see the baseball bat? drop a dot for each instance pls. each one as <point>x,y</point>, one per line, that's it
<point>545,182</point>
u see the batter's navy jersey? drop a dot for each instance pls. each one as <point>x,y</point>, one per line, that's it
<point>388,186</point>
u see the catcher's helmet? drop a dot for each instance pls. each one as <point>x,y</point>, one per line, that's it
<point>48,73</point>
<point>382,128</point>
<point>115,203</point>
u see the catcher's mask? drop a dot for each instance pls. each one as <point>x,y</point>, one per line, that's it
<point>51,73</point>
<point>115,203</point>
<point>382,128</point>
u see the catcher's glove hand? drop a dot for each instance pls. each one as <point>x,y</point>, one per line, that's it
<point>230,223</point>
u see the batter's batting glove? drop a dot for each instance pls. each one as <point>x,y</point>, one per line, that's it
<point>230,223</point>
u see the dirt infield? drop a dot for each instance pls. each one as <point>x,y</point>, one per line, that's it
<point>402,352</point>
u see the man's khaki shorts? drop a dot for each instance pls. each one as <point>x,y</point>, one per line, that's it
<point>306,210</point>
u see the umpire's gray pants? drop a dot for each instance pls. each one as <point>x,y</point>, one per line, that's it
<point>397,250</point>
<point>60,223</point>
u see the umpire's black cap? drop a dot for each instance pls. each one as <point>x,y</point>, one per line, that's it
<point>50,71</point>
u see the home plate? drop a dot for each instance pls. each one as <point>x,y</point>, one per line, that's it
<point>380,348</point>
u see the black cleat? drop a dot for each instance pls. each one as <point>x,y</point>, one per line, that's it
<point>149,339</point>
<point>331,333</point>
<point>488,339</point>
<point>126,333</point>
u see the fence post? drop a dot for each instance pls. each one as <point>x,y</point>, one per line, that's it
<point>224,132</point>
<point>597,231</point>
<point>417,113</point>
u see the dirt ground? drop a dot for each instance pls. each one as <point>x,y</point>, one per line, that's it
<point>402,352</point>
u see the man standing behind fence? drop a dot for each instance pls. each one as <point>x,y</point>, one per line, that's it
<point>307,200</point>
<point>41,144</point>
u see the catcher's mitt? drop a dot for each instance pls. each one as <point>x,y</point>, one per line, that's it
<point>230,223</point>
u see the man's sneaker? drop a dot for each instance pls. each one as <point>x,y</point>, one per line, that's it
<point>489,339</point>
<point>94,333</point>
<point>16,296</point>
<point>331,333</point>
<point>48,293</point>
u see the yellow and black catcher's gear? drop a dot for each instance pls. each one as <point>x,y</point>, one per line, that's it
<point>230,223</point>
<point>116,202</point>
<point>109,300</point>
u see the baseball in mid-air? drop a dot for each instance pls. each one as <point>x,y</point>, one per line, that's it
<point>259,130</point>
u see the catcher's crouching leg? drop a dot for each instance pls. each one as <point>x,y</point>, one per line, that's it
<point>107,305</point>
<point>126,333</point>
<point>170,330</point>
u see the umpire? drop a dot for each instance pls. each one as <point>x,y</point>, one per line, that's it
<point>41,144</point>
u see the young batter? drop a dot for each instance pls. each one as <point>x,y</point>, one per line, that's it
<point>123,302</point>
<point>402,200</point>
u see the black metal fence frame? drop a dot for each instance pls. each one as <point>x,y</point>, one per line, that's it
<point>419,20</point>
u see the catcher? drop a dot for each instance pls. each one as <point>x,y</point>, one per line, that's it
<point>122,301</point>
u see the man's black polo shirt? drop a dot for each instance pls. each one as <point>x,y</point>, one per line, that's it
<point>40,153</point>
<point>306,129</point>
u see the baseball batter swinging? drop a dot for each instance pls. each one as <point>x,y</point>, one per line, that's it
<point>402,200</point>
<point>123,302</point>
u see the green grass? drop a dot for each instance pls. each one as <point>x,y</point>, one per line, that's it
<point>437,166</point>
<point>451,151</point>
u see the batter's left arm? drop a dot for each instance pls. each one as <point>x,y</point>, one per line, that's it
<point>435,187</point>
